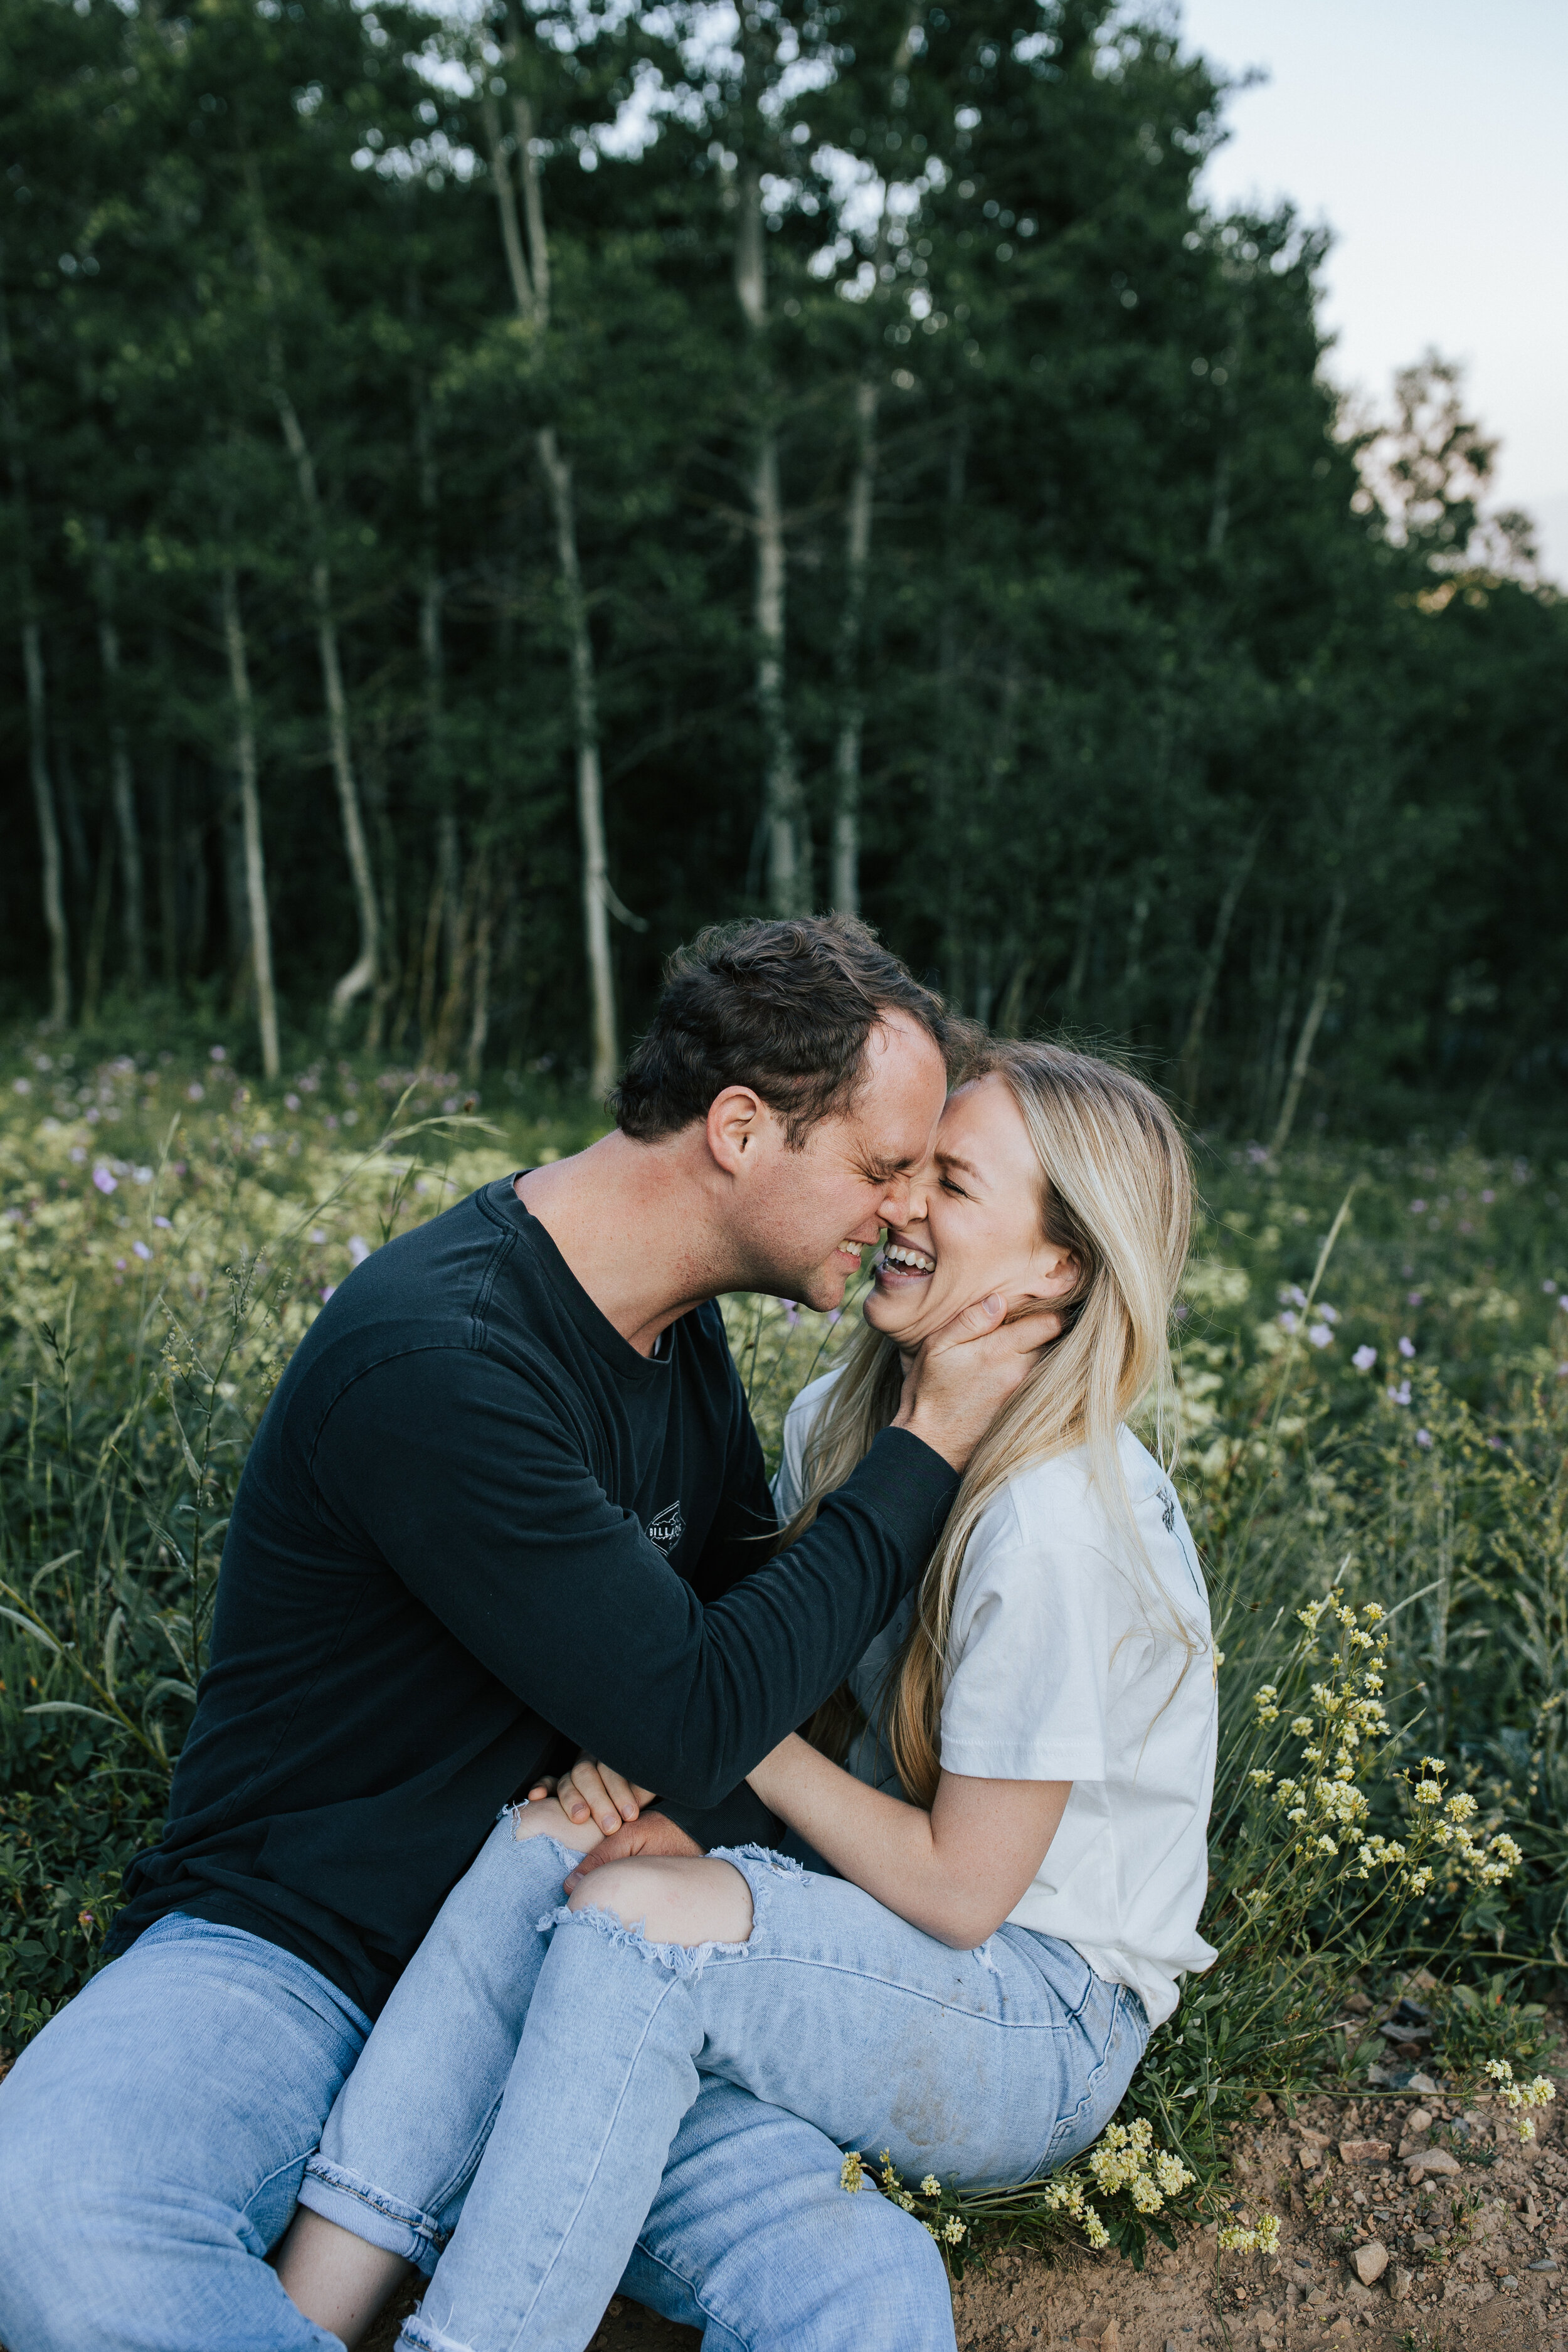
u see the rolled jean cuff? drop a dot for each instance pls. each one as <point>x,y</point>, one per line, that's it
<point>370,2214</point>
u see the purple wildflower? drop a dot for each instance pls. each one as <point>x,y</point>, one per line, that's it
<point>104,1181</point>
<point>1320,1334</point>
<point>359,1249</point>
<point>1407,1349</point>
<point>1424,1437</point>
<point>1364,1357</point>
<point>141,1249</point>
<point>1401,1395</point>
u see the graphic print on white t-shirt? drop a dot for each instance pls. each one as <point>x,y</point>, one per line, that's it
<point>1062,1665</point>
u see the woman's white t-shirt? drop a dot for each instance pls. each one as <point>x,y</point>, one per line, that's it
<point>1062,1666</point>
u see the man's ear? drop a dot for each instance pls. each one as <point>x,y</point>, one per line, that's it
<point>736,1119</point>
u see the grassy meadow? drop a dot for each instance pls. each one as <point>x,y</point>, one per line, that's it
<point>1370,1410</point>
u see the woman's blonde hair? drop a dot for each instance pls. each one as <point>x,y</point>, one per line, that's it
<point>1116,1190</point>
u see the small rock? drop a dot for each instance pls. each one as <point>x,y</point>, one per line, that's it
<point>1370,2262</point>
<point>1109,2336</point>
<point>1357,2003</point>
<point>1424,2083</point>
<point>1419,2119</point>
<point>1400,2286</point>
<point>1365,2151</point>
<point>1430,2160</point>
<point>1547,2265</point>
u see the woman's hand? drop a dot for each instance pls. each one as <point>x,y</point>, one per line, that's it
<point>594,1791</point>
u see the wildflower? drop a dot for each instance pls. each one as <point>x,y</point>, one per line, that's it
<point>1424,1439</point>
<point>194,1091</point>
<point>1260,1780</point>
<point>1319,1334</point>
<point>1548,1287</point>
<point>1235,2238</point>
<point>1401,1395</point>
<point>141,1249</point>
<point>1290,1322</point>
<point>1364,1357</point>
<point>1428,1792</point>
<point>1418,1881</point>
<point>931,2186</point>
<point>162,1224</point>
<point>1301,1725</point>
<point>1461,1807</point>
<point>217,1052</point>
<point>851,2173</point>
<point>105,1182</point>
<point>1309,1615</point>
<point>359,1249</point>
<point>1418,1208</point>
<point>1329,1314</point>
<point>1407,1349</point>
<point>1292,1294</point>
<point>1296,1813</point>
<point>953,2229</point>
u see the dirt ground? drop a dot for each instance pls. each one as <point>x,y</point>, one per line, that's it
<point>1477,2256</point>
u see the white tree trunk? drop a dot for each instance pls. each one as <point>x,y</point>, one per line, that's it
<point>1213,962</point>
<point>48,830</point>
<point>122,782</point>
<point>1311,1022</point>
<point>784,803</point>
<point>250,822</point>
<point>38,712</point>
<point>362,973</point>
<point>530,274</point>
<point>852,703</point>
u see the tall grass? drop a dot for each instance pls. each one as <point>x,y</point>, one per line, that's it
<point>1373,1381</point>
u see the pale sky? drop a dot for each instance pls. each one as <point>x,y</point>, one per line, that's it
<point>1432,136</point>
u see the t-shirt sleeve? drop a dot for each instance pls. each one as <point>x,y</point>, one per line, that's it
<point>470,1486</point>
<point>1027,1694</point>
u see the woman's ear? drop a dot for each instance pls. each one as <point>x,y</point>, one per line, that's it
<point>1059,1278</point>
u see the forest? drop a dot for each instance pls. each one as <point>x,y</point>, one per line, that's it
<point>488,492</point>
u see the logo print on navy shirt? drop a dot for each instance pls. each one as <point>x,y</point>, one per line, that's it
<point>666,1527</point>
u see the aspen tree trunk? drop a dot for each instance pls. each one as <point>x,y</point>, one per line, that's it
<point>846,860</point>
<point>363,973</point>
<point>1311,1022</point>
<point>1213,963</point>
<point>122,783</point>
<point>98,925</point>
<point>530,275</point>
<point>250,822</point>
<point>38,705</point>
<point>478,1027</point>
<point>441,919</point>
<point>852,700</point>
<point>784,803</point>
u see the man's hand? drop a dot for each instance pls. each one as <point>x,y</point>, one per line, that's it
<point>649,1833</point>
<point>596,1790</point>
<point>965,1373</point>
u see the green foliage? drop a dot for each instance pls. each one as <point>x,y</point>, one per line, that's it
<point>1165,721</point>
<point>1385,1543</point>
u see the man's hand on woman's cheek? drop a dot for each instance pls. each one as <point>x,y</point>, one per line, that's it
<point>649,1833</point>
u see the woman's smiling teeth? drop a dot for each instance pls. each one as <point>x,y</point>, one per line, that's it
<point>907,1260</point>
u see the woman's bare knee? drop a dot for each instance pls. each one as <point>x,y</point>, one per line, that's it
<point>673,1898</point>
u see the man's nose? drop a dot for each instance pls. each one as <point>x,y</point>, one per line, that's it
<point>894,1204</point>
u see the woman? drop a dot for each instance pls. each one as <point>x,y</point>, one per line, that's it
<point>1014,1849</point>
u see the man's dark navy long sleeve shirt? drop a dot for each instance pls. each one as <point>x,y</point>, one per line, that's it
<point>476,1526</point>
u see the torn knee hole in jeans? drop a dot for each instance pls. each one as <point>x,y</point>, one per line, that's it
<point>681,1903</point>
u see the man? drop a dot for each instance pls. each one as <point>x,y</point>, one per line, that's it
<point>506,1502</point>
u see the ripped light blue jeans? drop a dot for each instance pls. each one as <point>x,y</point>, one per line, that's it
<point>985,2066</point>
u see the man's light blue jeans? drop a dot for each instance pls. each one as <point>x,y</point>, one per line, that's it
<point>516,2131</point>
<point>152,2139</point>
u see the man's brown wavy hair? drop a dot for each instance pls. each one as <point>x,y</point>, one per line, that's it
<point>785,1007</point>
